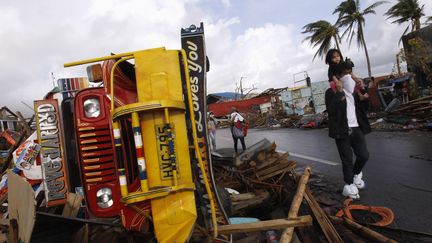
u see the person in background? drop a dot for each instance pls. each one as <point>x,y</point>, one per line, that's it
<point>405,92</point>
<point>236,121</point>
<point>348,125</point>
<point>211,126</point>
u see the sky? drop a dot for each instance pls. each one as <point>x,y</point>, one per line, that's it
<point>258,42</point>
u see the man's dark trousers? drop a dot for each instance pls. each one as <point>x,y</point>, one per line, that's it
<point>354,142</point>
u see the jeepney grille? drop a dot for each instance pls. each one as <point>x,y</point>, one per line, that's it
<point>96,155</point>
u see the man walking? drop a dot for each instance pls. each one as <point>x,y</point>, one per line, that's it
<point>346,103</point>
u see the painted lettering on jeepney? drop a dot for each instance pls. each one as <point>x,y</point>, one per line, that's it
<point>53,170</point>
<point>195,67</point>
<point>193,57</point>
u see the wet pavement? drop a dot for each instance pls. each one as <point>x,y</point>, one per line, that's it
<point>398,174</point>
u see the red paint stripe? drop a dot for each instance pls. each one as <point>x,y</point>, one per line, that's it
<point>140,153</point>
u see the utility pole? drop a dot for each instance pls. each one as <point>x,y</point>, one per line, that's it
<point>243,91</point>
<point>31,108</point>
<point>53,79</point>
<point>240,88</point>
<point>398,65</point>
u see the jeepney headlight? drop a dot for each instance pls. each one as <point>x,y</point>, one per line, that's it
<point>92,107</point>
<point>104,197</point>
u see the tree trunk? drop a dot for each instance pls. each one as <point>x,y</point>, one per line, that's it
<point>366,51</point>
<point>417,23</point>
<point>337,42</point>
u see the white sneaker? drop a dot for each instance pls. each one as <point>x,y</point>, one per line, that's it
<point>351,191</point>
<point>358,181</point>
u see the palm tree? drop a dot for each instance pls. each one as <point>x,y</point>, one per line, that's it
<point>351,17</point>
<point>406,10</point>
<point>322,33</point>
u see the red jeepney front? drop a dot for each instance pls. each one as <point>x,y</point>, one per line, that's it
<point>97,161</point>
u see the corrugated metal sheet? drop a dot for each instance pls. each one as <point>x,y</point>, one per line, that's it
<point>224,108</point>
<point>298,101</point>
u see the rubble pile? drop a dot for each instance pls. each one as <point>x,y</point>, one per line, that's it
<point>263,184</point>
<point>415,114</point>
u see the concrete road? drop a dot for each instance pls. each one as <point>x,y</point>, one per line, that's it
<point>398,174</point>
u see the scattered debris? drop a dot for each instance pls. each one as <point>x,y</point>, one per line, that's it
<point>266,182</point>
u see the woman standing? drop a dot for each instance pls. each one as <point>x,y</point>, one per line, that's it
<point>237,128</point>
<point>211,125</point>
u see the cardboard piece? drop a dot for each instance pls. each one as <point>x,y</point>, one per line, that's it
<point>21,205</point>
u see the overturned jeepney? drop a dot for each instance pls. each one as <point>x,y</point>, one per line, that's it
<point>135,144</point>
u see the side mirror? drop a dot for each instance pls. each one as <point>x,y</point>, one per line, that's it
<point>94,73</point>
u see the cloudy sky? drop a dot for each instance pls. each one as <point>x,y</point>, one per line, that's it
<point>258,40</point>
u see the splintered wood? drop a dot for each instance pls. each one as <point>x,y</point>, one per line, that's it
<point>295,205</point>
<point>420,108</point>
<point>278,165</point>
<point>324,222</point>
<point>266,225</point>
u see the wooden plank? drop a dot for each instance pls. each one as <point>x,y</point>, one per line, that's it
<point>420,99</point>
<point>24,124</point>
<point>283,168</point>
<point>429,107</point>
<point>270,161</point>
<point>326,226</point>
<point>265,225</point>
<point>72,205</point>
<point>260,197</point>
<point>295,205</point>
<point>273,168</point>
<point>366,232</point>
<point>242,196</point>
<point>21,207</point>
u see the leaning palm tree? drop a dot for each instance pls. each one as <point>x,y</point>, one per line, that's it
<point>406,11</point>
<point>351,17</point>
<point>322,33</point>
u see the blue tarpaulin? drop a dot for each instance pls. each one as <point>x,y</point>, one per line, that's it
<point>401,79</point>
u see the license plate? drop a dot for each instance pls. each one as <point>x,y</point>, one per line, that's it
<point>163,144</point>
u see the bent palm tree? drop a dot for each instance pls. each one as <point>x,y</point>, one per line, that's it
<point>405,11</point>
<point>322,33</point>
<point>351,17</point>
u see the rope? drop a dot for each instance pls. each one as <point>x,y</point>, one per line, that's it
<point>386,214</point>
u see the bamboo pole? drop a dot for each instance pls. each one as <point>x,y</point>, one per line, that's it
<point>295,205</point>
<point>366,232</point>
<point>326,226</point>
<point>265,225</point>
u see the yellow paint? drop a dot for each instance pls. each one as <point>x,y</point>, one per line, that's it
<point>161,101</point>
<point>158,78</point>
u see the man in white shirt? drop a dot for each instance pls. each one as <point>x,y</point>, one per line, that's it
<point>346,105</point>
